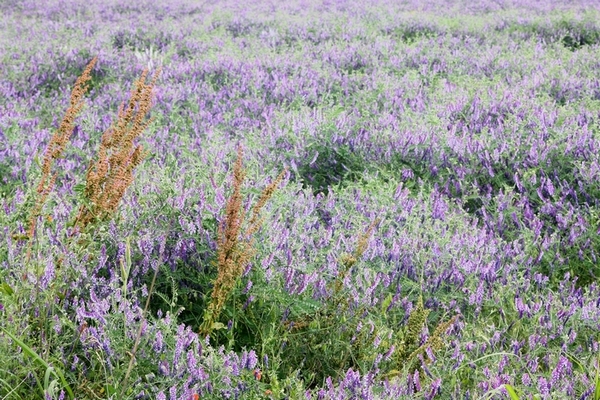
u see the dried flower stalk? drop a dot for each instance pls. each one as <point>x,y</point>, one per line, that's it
<point>348,260</point>
<point>234,254</point>
<point>57,145</point>
<point>111,174</point>
<point>409,348</point>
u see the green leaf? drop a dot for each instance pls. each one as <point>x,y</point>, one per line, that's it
<point>303,307</point>
<point>386,303</point>
<point>217,325</point>
<point>6,289</point>
<point>597,382</point>
<point>49,371</point>
<point>511,392</point>
<point>30,352</point>
<point>111,390</point>
<point>79,188</point>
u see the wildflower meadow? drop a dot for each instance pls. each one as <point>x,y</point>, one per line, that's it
<point>301,199</point>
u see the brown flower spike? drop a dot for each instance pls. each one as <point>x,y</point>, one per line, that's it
<point>233,254</point>
<point>56,147</point>
<point>112,173</point>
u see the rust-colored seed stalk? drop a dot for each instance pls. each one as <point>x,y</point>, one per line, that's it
<point>233,254</point>
<point>57,144</point>
<point>109,176</point>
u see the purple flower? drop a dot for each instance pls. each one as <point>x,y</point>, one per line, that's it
<point>158,342</point>
<point>544,386</point>
<point>248,287</point>
<point>249,300</point>
<point>477,297</point>
<point>522,308</point>
<point>251,360</point>
<point>389,353</point>
<point>163,368</point>
<point>434,389</point>
<point>191,361</point>
<point>430,354</point>
<point>563,368</point>
<point>377,341</point>
<point>407,174</point>
<point>48,275</point>
<point>179,345</point>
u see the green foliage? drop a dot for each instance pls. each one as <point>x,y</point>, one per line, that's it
<point>511,392</point>
<point>421,178</point>
<point>50,370</point>
<point>184,291</point>
<point>295,331</point>
<point>411,32</point>
<point>34,365</point>
<point>334,166</point>
<point>597,382</point>
<point>56,78</point>
<point>139,39</point>
<point>570,30</point>
<point>8,184</point>
<point>309,337</point>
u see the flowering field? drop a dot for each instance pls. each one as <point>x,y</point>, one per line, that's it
<point>299,200</point>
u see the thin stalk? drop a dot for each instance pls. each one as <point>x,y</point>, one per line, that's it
<point>39,360</point>
<point>138,336</point>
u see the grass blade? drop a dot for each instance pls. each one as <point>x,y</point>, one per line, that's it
<point>597,382</point>
<point>511,392</point>
<point>29,351</point>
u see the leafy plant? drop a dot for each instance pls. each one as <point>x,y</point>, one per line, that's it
<point>332,165</point>
<point>235,247</point>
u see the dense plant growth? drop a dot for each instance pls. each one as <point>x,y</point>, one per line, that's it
<point>326,200</point>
